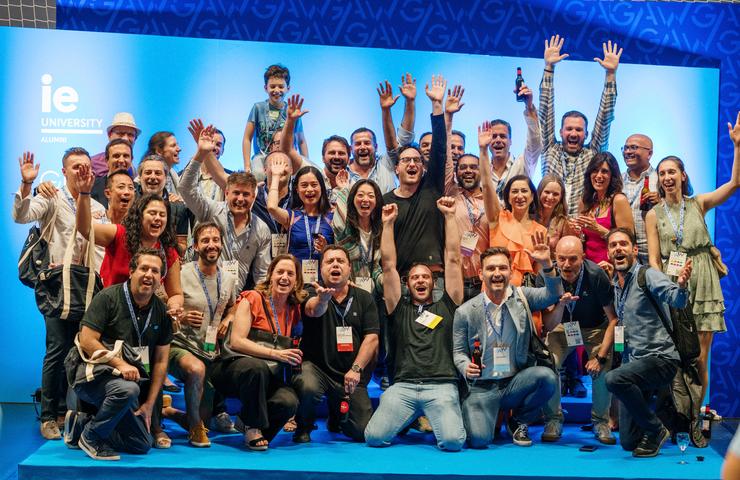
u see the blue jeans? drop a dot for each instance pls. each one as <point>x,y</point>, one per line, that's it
<point>634,384</point>
<point>526,393</point>
<point>403,402</point>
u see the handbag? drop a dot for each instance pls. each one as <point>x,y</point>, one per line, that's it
<point>35,252</point>
<point>65,291</point>
<point>539,354</point>
<point>721,267</point>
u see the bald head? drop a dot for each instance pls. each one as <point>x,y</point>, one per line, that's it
<point>569,257</point>
<point>637,151</point>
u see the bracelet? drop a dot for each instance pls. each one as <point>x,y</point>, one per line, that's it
<point>550,71</point>
<point>549,269</point>
<point>27,183</point>
<point>84,193</point>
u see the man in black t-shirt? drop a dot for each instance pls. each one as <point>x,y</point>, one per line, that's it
<point>340,340</point>
<point>132,313</point>
<point>425,380</point>
<point>585,316</point>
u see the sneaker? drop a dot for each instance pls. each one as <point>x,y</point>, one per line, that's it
<point>519,432</point>
<point>222,423</point>
<point>552,432</point>
<point>603,434</point>
<point>50,430</point>
<point>577,389</point>
<point>198,436</point>
<point>74,423</point>
<point>301,437</point>
<point>650,444</point>
<point>97,450</point>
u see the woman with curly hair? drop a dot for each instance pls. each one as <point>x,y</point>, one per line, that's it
<point>603,206</point>
<point>250,369</point>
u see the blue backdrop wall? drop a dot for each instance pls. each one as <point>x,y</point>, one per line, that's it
<point>659,33</point>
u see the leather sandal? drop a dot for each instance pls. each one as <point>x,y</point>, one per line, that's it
<point>162,441</point>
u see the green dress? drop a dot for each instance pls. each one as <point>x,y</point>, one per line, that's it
<point>705,292</point>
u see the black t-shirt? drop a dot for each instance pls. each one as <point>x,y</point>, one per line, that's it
<point>421,353</point>
<point>319,343</point>
<point>596,293</point>
<point>108,314</point>
<point>419,228</point>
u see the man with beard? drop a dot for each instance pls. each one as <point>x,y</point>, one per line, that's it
<point>586,318</point>
<point>650,359</point>
<point>425,380</point>
<point>118,154</point>
<point>418,229</point>
<point>247,237</point>
<point>637,152</point>
<point>499,322</point>
<point>569,158</point>
<point>130,312</point>
<point>209,292</point>
<point>340,341</point>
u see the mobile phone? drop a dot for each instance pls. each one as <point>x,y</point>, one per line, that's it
<point>588,448</point>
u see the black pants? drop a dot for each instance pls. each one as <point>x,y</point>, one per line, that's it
<point>60,335</point>
<point>267,402</point>
<point>312,384</point>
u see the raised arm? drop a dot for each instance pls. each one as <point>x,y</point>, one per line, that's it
<point>295,111</point>
<point>387,100</point>
<point>437,155</point>
<point>533,148</point>
<point>408,90</point>
<point>453,104</point>
<point>552,56</point>
<point>600,135</point>
<point>316,306</point>
<point>665,291</point>
<point>202,207</point>
<point>28,209</point>
<point>247,143</point>
<point>491,203</point>
<point>540,298</point>
<point>279,168</point>
<point>212,164</point>
<point>453,258</point>
<point>341,194</point>
<point>708,201</point>
<point>391,279</point>
<point>104,233</point>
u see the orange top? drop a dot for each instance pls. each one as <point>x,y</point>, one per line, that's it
<point>509,233</point>
<point>261,320</point>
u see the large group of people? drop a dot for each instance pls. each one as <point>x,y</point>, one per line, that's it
<point>285,283</point>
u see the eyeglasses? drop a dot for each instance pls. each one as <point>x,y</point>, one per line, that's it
<point>411,160</point>
<point>632,148</point>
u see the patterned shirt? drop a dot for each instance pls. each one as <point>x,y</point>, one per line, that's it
<point>632,189</point>
<point>571,168</point>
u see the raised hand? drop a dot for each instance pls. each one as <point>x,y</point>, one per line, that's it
<point>735,131</point>
<point>454,99</point>
<point>278,166</point>
<point>84,179</point>
<point>29,169</point>
<point>552,50</point>
<point>526,92</point>
<point>437,91</point>
<point>324,294</point>
<point>342,179</point>
<point>385,92</point>
<point>295,107</point>
<point>47,189</point>
<point>685,274</point>
<point>485,135</point>
<point>408,87</point>
<point>446,205</point>
<point>389,213</point>
<point>541,251</point>
<point>195,127</point>
<point>611,56</point>
<point>206,140</point>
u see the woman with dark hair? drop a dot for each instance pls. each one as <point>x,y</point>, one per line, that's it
<point>308,220</point>
<point>513,226</point>
<point>603,206</point>
<point>251,370</point>
<point>357,227</point>
<point>677,232</point>
<point>553,211</point>
<point>165,144</point>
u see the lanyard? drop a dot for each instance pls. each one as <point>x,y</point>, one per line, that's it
<point>346,309</point>
<point>621,301</point>
<point>275,316</point>
<point>308,233</point>
<point>496,334</point>
<point>70,200</point>
<point>572,305</point>
<point>677,230</point>
<point>211,307</point>
<point>468,206</point>
<point>640,185</point>
<point>504,178</point>
<point>366,256</point>
<point>139,333</point>
<point>231,233</point>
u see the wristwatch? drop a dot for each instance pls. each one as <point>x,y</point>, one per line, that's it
<point>356,368</point>
<point>601,360</point>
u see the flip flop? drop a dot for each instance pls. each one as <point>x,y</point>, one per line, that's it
<point>162,441</point>
<point>253,444</point>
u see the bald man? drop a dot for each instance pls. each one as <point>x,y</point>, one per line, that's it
<point>637,152</point>
<point>584,316</point>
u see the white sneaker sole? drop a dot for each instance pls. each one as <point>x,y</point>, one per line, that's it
<point>91,453</point>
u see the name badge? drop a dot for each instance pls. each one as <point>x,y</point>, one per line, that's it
<point>573,334</point>
<point>279,244</point>
<point>310,269</point>
<point>468,243</point>
<point>501,360</point>
<point>344,339</point>
<point>365,283</point>
<point>428,319</point>
<point>211,335</point>
<point>619,338</point>
<point>676,262</point>
<point>143,356</point>
<point>231,267</point>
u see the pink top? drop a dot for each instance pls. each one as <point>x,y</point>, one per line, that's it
<point>595,245</point>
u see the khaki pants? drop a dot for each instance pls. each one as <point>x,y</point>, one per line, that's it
<point>592,338</point>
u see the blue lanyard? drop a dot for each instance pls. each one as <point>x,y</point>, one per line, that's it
<point>366,256</point>
<point>139,333</point>
<point>468,206</point>
<point>677,230</point>
<point>496,334</point>
<point>211,308</point>
<point>231,233</point>
<point>622,299</point>
<point>309,240</point>
<point>346,309</point>
<point>275,316</point>
<point>572,305</point>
